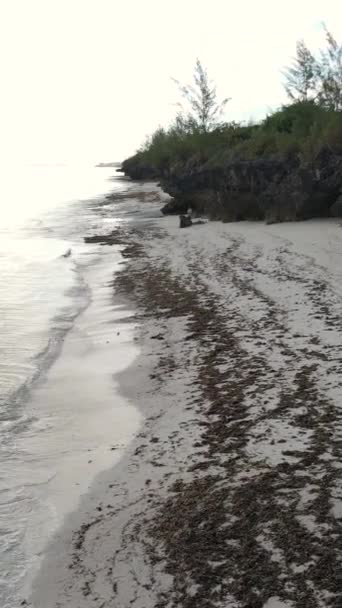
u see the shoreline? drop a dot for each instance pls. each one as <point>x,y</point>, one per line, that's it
<point>86,422</point>
<point>88,405</point>
<point>49,430</point>
<point>216,501</point>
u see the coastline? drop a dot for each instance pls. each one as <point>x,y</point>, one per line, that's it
<point>216,500</point>
<point>94,421</point>
<point>59,350</point>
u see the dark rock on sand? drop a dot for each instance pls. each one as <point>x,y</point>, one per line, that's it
<point>185,221</point>
<point>272,189</point>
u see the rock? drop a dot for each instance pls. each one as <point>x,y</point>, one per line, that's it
<point>273,189</point>
<point>185,221</point>
<point>174,207</point>
<point>138,169</point>
<point>336,208</point>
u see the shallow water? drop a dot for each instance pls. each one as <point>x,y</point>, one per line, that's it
<point>58,326</point>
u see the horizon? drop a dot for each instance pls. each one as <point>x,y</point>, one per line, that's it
<point>88,81</point>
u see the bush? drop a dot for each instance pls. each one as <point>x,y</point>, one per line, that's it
<point>299,129</point>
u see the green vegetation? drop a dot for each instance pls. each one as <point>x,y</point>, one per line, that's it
<point>318,79</point>
<point>312,119</point>
<point>204,110</point>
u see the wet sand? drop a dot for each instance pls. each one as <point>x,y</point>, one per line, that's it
<point>231,492</point>
<point>82,423</point>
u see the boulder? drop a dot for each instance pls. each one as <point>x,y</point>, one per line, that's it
<point>185,221</point>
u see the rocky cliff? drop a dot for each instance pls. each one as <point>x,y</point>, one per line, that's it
<point>139,170</point>
<point>270,190</point>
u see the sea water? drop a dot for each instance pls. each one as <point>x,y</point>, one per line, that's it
<point>57,414</point>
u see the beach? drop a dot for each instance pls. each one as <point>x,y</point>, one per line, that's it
<point>230,492</point>
<point>62,338</point>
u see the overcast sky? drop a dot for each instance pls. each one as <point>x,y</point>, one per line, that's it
<point>88,79</point>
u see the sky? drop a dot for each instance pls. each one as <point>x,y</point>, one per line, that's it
<point>88,80</point>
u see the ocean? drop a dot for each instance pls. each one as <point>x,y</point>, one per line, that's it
<point>56,314</point>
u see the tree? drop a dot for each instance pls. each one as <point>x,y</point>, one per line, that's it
<point>330,74</point>
<point>317,79</point>
<point>301,77</point>
<point>205,110</point>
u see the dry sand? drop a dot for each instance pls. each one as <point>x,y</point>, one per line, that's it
<point>231,493</point>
